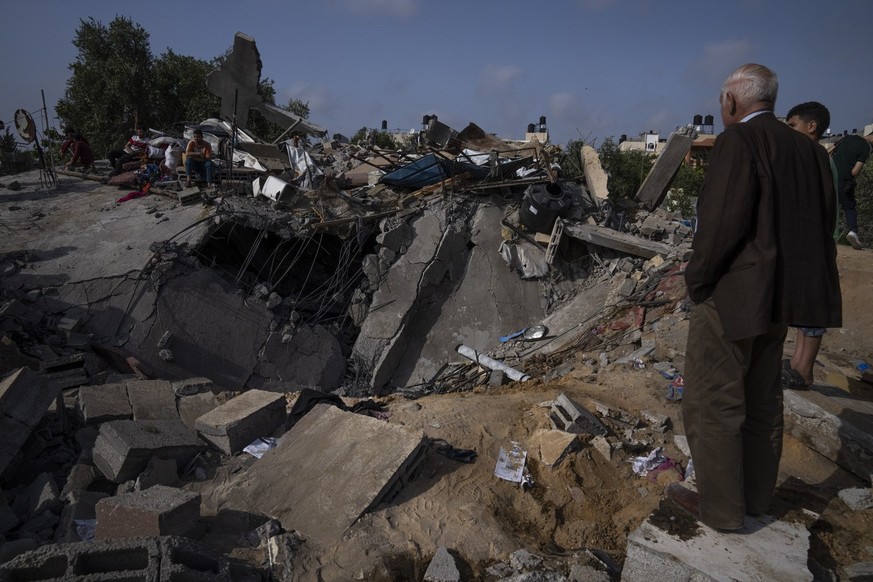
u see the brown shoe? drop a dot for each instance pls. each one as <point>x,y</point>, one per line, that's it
<point>689,502</point>
<point>685,499</point>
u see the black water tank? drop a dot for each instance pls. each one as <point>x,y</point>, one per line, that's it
<point>425,119</point>
<point>708,120</point>
<point>541,205</point>
<point>542,119</point>
<point>384,125</point>
<point>698,120</point>
<point>531,128</point>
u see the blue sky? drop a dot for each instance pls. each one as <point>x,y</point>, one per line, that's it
<point>594,68</point>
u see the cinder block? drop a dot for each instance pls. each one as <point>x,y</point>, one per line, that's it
<point>123,447</point>
<point>156,511</point>
<point>239,421</point>
<point>161,559</point>
<point>570,416</point>
<point>98,404</point>
<point>152,399</point>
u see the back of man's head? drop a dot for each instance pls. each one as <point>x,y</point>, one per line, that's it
<point>812,111</point>
<point>751,84</point>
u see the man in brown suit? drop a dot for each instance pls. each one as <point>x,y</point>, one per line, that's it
<point>763,257</point>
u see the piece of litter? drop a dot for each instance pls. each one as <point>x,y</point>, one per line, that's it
<point>642,465</point>
<point>260,446</point>
<point>510,463</point>
<point>85,529</point>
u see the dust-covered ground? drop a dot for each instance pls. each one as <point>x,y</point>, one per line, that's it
<point>585,505</point>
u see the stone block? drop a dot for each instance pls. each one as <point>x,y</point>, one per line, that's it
<point>157,511</point>
<point>553,445</point>
<point>163,559</point>
<point>158,472</point>
<point>124,447</point>
<point>152,399</point>
<point>80,477</point>
<point>442,568</point>
<point>24,399</point>
<point>192,407</point>
<point>239,421</point>
<point>857,499</point>
<point>768,549</point>
<point>98,404</point>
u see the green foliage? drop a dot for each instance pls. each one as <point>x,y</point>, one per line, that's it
<point>685,188</point>
<point>371,137</point>
<point>626,170</point>
<point>864,207</point>
<point>571,162</point>
<point>8,143</point>
<point>179,91</point>
<point>298,108</point>
<point>110,88</point>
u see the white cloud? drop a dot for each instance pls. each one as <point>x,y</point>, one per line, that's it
<point>318,97</point>
<point>719,59</point>
<point>499,77</point>
<point>399,8</point>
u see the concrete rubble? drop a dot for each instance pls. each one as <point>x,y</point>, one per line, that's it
<point>147,344</point>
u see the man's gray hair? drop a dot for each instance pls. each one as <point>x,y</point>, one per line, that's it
<point>752,83</point>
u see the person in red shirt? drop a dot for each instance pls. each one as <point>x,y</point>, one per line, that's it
<point>81,150</point>
<point>134,150</point>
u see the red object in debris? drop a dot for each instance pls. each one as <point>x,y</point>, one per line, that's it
<point>131,196</point>
<point>619,325</point>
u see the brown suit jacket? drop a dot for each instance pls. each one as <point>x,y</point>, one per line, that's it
<point>764,249</point>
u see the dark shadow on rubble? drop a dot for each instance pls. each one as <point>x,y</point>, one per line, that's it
<point>227,529</point>
<point>430,471</point>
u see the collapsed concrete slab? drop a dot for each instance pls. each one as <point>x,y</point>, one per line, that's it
<point>217,334</point>
<point>236,423</point>
<point>24,399</point>
<point>162,559</point>
<point>765,549</point>
<point>595,176</point>
<point>97,404</point>
<point>330,468</point>
<point>449,285</point>
<point>124,447</point>
<point>654,188</point>
<point>152,399</point>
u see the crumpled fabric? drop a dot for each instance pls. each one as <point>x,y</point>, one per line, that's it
<point>131,196</point>
<point>642,465</point>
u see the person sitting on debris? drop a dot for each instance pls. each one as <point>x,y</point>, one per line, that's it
<point>198,158</point>
<point>811,119</point>
<point>80,148</point>
<point>134,150</point>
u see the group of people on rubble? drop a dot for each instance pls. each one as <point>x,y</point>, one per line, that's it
<point>139,150</point>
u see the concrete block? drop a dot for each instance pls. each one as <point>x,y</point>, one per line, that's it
<point>442,568</point>
<point>157,511</point>
<point>570,416</point>
<point>162,559</point>
<point>326,471</point>
<point>857,499</point>
<point>235,424</point>
<point>42,494</point>
<point>765,549</point>
<point>123,447</point>
<point>553,445</point>
<point>194,406</point>
<point>152,399</point>
<point>98,404</point>
<point>24,399</point>
<point>191,386</point>
<point>80,477</point>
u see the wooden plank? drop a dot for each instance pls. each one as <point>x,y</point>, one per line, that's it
<point>654,187</point>
<point>620,241</point>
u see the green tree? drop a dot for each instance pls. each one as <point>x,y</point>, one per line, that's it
<point>8,143</point>
<point>864,198</point>
<point>298,108</point>
<point>179,91</point>
<point>379,139</point>
<point>684,189</point>
<point>571,162</point>
<point>626,169</point>
<point>111,82</point>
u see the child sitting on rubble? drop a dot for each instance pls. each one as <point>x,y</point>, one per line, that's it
<point>80,148</point>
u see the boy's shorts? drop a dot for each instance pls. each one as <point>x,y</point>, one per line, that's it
<point>812,331</point>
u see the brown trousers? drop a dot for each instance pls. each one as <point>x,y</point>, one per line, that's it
<point>732,413</point>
